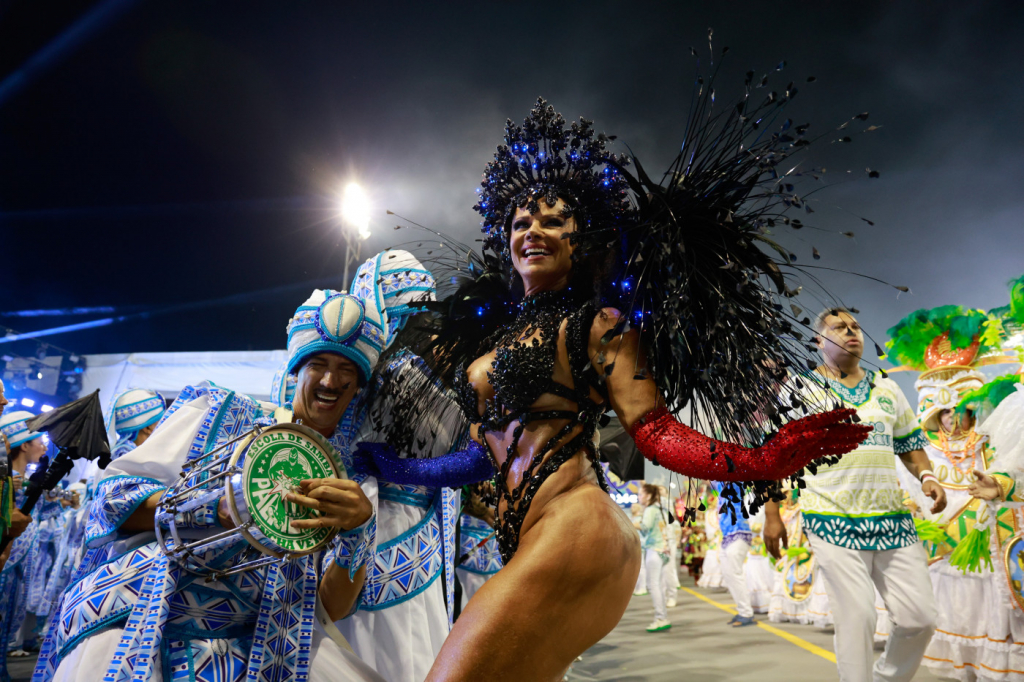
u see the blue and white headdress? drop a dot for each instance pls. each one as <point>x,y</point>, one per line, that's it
<point>334,322</point>
<point>133,410</point>
<point>282,388</point>
<point>399,284</point>
<point>14,428</point>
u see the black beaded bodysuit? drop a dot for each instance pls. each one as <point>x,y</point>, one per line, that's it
<point>520,375</point>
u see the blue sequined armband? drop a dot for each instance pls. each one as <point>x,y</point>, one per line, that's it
<point>452,470</point>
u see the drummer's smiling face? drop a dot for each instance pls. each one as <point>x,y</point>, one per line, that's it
<point>327,383</point>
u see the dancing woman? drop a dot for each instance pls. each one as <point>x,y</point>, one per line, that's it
<point>558,210</point>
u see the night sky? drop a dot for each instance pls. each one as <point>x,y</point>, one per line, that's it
<point>186,151</point>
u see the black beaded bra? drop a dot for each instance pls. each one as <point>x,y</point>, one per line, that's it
<point>520,375</point>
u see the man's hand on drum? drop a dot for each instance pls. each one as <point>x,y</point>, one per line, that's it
<point>341,503</point>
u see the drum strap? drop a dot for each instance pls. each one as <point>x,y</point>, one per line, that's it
<point>329,627</point>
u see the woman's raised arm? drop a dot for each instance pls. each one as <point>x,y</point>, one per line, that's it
<point>661,438</point>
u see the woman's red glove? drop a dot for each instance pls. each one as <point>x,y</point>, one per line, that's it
<point>677,447</point>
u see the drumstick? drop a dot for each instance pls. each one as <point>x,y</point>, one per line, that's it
<point>476,548</point>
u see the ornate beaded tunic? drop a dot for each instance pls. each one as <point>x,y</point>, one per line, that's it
<point>524,362</point>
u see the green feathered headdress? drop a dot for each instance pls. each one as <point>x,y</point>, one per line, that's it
<point>987,398</point>
<point>1017,299</point>
<point>1014,310</point>
<point>910,337</point>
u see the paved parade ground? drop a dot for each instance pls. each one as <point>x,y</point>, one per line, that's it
<point>700,647</point>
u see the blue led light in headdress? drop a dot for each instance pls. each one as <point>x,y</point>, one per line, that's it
<point>543,160</point>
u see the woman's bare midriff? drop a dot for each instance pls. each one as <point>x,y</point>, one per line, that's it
<point>566,587</point>
<point>577,471</point>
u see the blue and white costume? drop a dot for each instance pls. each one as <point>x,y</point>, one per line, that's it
<point>404,612</point>
<point>16,577</point>
<point>130,412</point>
<point>132,613</point>
<point>69,551</point>
<point>479,546</point>
<point>736,537</point>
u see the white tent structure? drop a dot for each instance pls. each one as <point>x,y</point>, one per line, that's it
<point>249,372</point>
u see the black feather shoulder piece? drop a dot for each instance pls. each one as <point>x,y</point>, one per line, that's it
<point>703,280</point>
<point>481,304</point>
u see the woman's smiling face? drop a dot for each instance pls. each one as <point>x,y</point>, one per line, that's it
<point>540,246</point>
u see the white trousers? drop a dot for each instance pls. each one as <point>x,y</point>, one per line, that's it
<point>901,576</point>
<point>735,577</point>
<point>641,580</point>
<point>672,584</point>
<point>655,582</point>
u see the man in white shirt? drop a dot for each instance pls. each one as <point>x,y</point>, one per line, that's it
<point>860,532</point>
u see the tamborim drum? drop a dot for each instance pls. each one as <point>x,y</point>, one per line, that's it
<point>273,463</point>
<point>254,472</point>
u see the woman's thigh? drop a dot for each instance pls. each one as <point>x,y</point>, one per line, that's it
<point>566,588</point>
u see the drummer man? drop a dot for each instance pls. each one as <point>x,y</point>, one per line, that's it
<point>402,616</point>
<point>132,612</point>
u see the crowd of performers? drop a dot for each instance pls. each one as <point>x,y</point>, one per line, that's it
<point>465,420</point>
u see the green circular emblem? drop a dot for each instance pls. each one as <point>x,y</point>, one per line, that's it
<point>274,464</point>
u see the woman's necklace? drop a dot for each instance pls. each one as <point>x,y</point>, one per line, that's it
<point>948,447</point>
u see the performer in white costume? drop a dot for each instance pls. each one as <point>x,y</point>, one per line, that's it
<point>736,538</point>
<point>798,595</point>
<point>711,572</point>
<point>404,613</point>
<point>972,638</point>
<point>862,535</point>
<point>49,515</point>
<point>23,448</point>
<point>133,612</point>
<point>979,634</point>
<point>635,513</point>
<point>759,572</point>
<point>1002,486</point>
<point>673,534</point>
<point>652,526</point>
<point>69,551</point>
<point>133,416</point>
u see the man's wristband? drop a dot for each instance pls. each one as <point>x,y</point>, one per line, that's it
<point>353,547</point>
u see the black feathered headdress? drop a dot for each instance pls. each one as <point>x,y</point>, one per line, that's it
<point>541,159</point>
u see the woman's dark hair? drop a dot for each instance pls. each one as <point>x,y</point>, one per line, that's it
<point>653,492</point>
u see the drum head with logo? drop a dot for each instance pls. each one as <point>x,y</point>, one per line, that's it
<point>275,461</point>
<point>798,577</point>
<point>1013,560</point>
